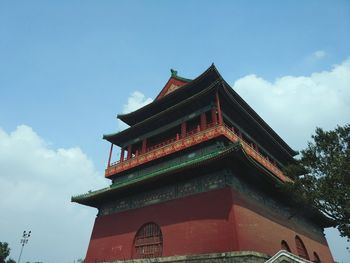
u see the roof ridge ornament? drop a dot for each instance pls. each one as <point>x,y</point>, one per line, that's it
<point>173,72</point>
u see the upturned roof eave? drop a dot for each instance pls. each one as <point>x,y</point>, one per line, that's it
<point>128,117</point>
<point>256,117</point>
<point>110,137</point>
<point>235,99</point>
<point>88,198</point>
<point>235,148</point>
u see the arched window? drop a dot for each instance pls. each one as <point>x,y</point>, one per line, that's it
<point>148,241</point>
<point>302,252</point>
<point>284,246</point>
<point>316,258</point>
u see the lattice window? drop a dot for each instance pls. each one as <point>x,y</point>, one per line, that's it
<point>284,246</point>
<point>148,242</point>
<point>302,252</point>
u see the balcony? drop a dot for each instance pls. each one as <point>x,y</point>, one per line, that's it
<point>192,138</point>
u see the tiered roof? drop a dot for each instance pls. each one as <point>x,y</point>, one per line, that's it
<point>156,114</point>
<point>181,95</point>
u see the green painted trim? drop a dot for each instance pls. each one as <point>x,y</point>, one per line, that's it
<point>109,137</point>
<point>166,127</point>
<point>197,161</point>
<point>261,167</point>
<point>266,152</point>
<point>174,75</point>
<point>155,102</point>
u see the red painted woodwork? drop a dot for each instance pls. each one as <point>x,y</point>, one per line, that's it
<point>195,138</point>
<point>110,156</point>
<point>212,222</point>
<point>129,152</point>
<point>219,109</point>
<point>172,82</point>
<point>148,242</point>
<point>122,152</point>
<point>213,115</point>
<point>203,121</point>
<point>183,129</point>
<point>144,146</point>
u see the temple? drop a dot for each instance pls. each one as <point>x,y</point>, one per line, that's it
<point>198,176</point>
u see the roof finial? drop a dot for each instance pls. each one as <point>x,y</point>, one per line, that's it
<point>173,72</point>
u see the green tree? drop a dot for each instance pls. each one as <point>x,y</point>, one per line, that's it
<point>322,176</point>
<point>4,253</point>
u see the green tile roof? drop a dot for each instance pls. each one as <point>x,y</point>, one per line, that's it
<point>173,167</point>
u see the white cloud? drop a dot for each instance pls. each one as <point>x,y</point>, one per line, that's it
<point>36,184</point>
<point>136,100</point>
<point>295,105</point>
<point>319,54</point>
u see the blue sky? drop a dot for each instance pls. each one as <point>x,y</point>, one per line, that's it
<point>68,67</point>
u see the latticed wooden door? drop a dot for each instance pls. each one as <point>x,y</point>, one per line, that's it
<point>148,242</point>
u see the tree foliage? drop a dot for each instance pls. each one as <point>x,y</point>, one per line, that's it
<point>4,253</point>
<point>322,175</point>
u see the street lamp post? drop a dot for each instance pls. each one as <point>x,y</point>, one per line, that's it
<point>24,241</point>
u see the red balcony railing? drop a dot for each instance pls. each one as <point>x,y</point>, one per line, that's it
<point>193,137</point>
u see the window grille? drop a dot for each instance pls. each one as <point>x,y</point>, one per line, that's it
<point>148,242</point>
<point>302,252</point>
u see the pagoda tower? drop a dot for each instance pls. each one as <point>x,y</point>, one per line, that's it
<point>199,178</point>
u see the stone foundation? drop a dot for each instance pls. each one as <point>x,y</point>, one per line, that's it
<point>228,257</point>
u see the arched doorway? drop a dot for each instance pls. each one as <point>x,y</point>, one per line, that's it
<point>148,241</point>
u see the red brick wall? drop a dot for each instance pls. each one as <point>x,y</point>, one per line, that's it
<point>191,225</point>
<point>216,221</point>
<point>262,231</point>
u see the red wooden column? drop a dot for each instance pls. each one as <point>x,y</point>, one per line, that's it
<point>213,116</point>
<point>219,108</point>
<point>183,130</point>
<point>110,156</point>
<point>129,152</point>
<point>122,151</point>
<point>144,146</point>
<point>203,121</point>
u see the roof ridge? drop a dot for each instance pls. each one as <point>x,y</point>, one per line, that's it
<point>212,67</point>
<point>174,75</point>
<point>167,110</point>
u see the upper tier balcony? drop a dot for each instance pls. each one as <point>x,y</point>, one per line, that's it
<point>191,138</point>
